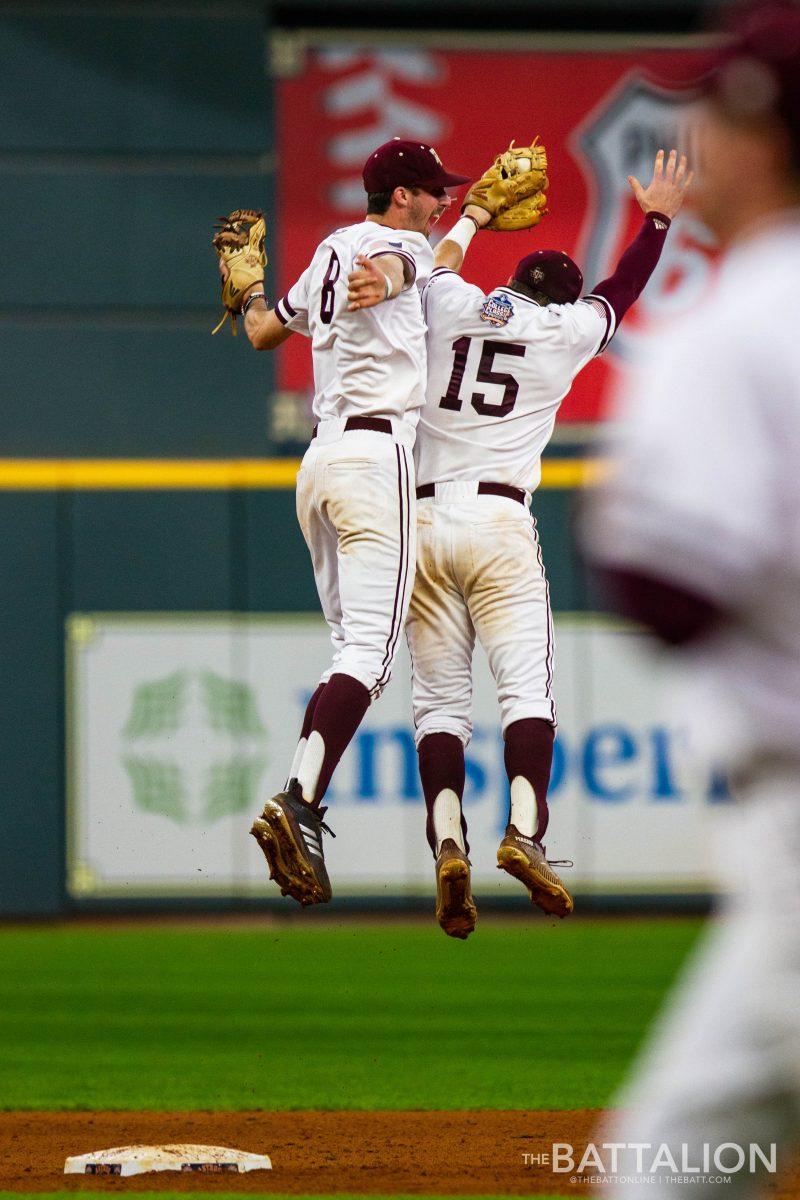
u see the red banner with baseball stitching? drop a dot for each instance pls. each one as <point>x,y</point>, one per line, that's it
<point>601,117</point>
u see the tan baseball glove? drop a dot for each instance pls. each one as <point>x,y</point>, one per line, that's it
<point>239,243</point>
<point>513,189</point>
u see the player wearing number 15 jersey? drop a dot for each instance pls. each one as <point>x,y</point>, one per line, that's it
<point>499,366</point>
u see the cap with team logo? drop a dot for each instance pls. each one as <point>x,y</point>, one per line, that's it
<point>552,272</point>
<point>401,163</point>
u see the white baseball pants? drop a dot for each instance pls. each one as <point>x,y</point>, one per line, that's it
<point>356,504</point>
<point>479,571</point>
<point>723,1064</point>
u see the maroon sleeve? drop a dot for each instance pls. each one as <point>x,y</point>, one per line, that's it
<point>675,615</point>
<point>635,267</point>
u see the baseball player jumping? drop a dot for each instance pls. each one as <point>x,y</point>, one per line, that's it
<point>499,366</point>
<point>356,499</point>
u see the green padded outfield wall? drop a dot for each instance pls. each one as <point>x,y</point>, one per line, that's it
<point>121,136</point>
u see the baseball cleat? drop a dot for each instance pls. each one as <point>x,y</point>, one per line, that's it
<point>289,831</point>
<point>455,909</point>
<point>525,859</point>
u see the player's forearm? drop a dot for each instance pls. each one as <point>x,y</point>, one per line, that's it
<point>262,326</point>
<point>396,272</point>
<point>377,279</point>
<point>636,265</point>
<point>452,249</point>
<point>448,254</point>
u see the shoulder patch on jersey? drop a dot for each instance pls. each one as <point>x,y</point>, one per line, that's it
<point>497,310</point>
<point>597,304</point>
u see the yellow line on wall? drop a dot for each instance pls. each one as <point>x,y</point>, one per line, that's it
<point>207,474</point>
<point>572,472</point>
<point>103,474</point>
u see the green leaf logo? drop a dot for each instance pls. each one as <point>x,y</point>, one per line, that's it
<point>231,786</point>
<point>231,706</point>
<point>157,787</point>
<point>193,747</point>
<point>157,707</point>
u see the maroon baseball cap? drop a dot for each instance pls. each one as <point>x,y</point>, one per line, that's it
<point>552,272</point>
<point>756,72</point>
<point>400,163</point>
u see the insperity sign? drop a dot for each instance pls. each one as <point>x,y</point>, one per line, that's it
<point>178,726</point>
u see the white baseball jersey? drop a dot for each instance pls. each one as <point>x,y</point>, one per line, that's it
<point>498,368</point>
<point>371,362</point>
<point>709,493</point>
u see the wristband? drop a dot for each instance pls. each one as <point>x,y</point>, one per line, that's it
<point>658,219</point>
<point>253,296</point>
<point>462,233</point>
<point>389,287</point>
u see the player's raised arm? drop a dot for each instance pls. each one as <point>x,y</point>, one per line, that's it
<point>660,201</point>
<point>452,249</point>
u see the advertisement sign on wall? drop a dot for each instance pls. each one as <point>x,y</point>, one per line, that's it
<point>601,116</point>
<point>179,726</point>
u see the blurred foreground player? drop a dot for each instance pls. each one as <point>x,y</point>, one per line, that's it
<point>499,366</point>
<point>698,536</point>
<point>355,490</point>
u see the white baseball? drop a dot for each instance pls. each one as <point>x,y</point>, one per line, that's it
<point>523,165</point>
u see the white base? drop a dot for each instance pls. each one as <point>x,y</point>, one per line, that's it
<point>136,1160</point>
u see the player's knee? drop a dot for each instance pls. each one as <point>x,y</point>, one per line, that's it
<point>368,665</point>
<point>460,727</point>
<point>542,709</point>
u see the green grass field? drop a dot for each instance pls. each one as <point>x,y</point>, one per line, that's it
<point>378,1016</point>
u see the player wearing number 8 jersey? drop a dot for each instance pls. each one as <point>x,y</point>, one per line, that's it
<point>355,490</point>
<point>499,366</point>
<point>365,363</point>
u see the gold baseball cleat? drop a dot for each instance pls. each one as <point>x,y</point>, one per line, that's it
<point>455,908</point>
<point>525,859</point>
<point>289,832</point>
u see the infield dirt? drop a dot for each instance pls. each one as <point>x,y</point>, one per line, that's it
<point>385,1153</point>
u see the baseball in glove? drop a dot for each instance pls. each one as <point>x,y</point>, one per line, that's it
<point>513,189</point>
<point>239,243</point>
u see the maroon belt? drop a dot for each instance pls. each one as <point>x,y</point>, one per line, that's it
<point>484,489</point>
<point>376,424</point>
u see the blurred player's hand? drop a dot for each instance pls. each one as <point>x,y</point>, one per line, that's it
<point>667,188</point>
